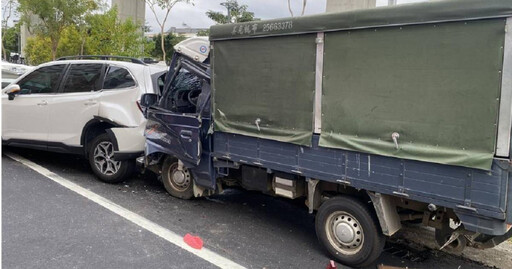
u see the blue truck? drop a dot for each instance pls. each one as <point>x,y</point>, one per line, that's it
<point>373,118</point>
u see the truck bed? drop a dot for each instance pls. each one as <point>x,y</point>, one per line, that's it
<point>478,197</point>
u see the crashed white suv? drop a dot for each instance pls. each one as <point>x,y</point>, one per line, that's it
<point>88,107</point>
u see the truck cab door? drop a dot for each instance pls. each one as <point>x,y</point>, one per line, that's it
<point>174,124</point>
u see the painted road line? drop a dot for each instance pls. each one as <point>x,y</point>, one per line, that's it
<point>148,225</point>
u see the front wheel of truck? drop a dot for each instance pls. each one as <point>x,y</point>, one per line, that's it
<point>349,231</point>
<point>178,181</point>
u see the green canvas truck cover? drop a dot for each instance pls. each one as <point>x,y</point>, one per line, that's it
<point>429,72</point>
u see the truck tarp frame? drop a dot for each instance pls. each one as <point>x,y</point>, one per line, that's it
<point>420,13</point>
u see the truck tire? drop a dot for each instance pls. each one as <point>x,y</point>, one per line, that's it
<point>103,165</point>
<point>349,231</point>
<point>178,183</point>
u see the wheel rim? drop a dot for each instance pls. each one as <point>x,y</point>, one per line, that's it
<point>103,158</point>
<point>179,179</point>
<point>344,232</point>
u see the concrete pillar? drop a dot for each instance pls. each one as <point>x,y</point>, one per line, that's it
<point>134,9</point>
<point>25,32</point>
<point>346,5</point>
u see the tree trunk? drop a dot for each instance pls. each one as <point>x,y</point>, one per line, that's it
<point>162,43</point>
<point>290,8</point>
<point>304,3</point>
<point>3,49</point>
<point>82,46</point>
<point>55,43</point>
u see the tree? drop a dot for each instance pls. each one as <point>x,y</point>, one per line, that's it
<point>53,16</point>
<point>103,34</point>
<point>10,39</point>
<point>38,50</point>
<point>108,35</point>
<point>170,40</point>
<point>204,32</point>
<point>304,3</point>
<point>8,9</point>
<point>70,42</point>
<point>236,13</point>
<point>166,6</point>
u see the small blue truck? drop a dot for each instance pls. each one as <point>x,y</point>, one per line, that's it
<point>373,117</point>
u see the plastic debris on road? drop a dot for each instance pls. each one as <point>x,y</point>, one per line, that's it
<point>193,241</point>
<point>331,265</point>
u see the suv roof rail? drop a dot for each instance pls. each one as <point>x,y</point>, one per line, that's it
<point>102,57</point>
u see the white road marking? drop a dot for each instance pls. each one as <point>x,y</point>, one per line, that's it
<point>150,226</point>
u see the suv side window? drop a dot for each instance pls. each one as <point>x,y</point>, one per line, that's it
<point>42,80</point>
<point>82,78</point>
<point>181,97</point>
<point>118,78</point>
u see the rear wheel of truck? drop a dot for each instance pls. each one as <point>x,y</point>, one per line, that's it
<point>101,159</point>
<point>177,182</point>
<point>349,231</point>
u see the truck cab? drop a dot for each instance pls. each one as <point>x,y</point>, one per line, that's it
<point>179,119</point>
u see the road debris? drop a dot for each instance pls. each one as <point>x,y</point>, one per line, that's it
<point>193,241</point>
<point>331,265</point>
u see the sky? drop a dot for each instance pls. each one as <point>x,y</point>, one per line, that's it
<point>194,15</point>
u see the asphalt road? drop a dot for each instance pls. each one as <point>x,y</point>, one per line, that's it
<point>45,225</point>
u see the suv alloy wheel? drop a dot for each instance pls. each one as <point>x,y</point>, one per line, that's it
<point>101,160</point>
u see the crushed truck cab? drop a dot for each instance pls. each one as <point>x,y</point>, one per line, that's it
<point>374,118</point>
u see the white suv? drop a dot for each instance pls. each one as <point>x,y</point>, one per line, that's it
<point>88,107</point>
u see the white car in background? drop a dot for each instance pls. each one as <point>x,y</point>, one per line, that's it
<point>10,72</point>
<point>87,107</point>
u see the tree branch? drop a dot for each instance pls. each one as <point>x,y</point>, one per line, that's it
<point>304,3</point>
<point>290,8</point>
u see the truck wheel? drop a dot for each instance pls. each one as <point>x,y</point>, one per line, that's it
<point>178,183</point>
<point>349,231</point>
<point>103,165</point>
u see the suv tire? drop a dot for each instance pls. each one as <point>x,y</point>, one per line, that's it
<point>101,153</point>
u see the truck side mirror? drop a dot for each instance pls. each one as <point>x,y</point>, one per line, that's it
<point>148,100</point>
<point>12,90</point>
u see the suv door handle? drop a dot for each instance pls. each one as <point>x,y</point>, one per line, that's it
<point>43,103</point>
<point>90,103</point>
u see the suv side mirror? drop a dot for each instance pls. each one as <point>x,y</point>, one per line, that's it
<point>12,90</point>
<point>148,99</point>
